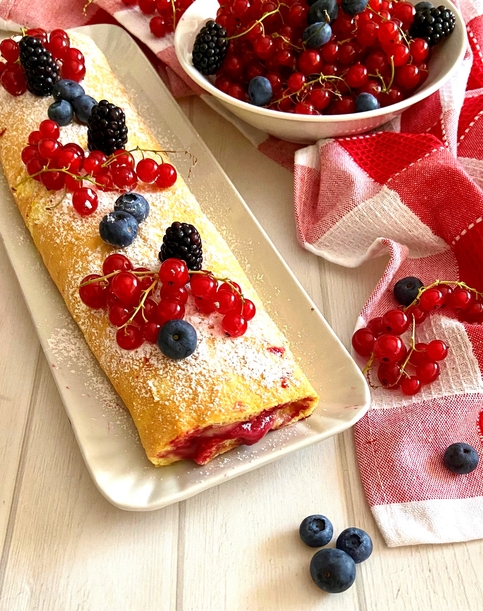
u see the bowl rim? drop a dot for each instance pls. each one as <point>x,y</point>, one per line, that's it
<point>201,80</point>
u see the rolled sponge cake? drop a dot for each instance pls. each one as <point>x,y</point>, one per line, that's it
<point>230,391</point>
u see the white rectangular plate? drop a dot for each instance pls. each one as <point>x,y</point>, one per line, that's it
<point>106,435</point>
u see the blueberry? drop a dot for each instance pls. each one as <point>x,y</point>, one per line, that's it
<point>118,228</point>
<point>356,543</point>
<point>354,7</point>
<point>61,112</point>
<point>316,35</point>
<point>134,204</point>
<point>65,89</point>
<point>83,107</point>
<point>260,90</point>
<point>406,290</point>
<point>461,458</point>
<point>422,6</point>
<point>323,11</point>
<point>333,570</point>
<point>366,101</point>
<point>177,339</point>
<point>316,530</point>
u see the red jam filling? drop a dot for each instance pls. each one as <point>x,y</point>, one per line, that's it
<point>203,444</point>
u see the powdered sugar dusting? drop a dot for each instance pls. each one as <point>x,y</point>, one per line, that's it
<point>225,380</point>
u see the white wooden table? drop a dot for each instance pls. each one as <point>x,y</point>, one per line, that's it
<point>232,548</point>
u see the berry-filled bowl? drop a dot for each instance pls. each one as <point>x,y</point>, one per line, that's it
<point>302,71</point>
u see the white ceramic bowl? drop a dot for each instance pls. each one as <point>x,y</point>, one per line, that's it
<point>445,60</point>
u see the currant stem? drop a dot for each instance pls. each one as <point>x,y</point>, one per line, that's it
<point>277,10</point>
<point>138,273</point>
<point>140,306</point>
<point>459,284</point>
<point>86,6</point>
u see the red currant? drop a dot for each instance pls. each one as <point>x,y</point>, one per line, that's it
<point>116,262</point>
<point>150,331</point>
<point>168,310</point>
<point>167,176</point>
<point>147,170</point>
<point>125,286</point>
<point>389,374</point>
<point>93,295</point>
<point>389,348</point>
<point>13,81</point>
<point>85,201</point>
<point>437,350</point>
<point>410,386</point>
<point>363,341</point>
<point>461,299</point>
<point>427,372</point>
<point>419,354</point>
<point>130,337</point>
<point>9,50</point>
<point>203,286</point>
<point>431,299</point>
<point>234,324</point>
<point>395,321</point>
<point>174,272</point>
<point>119,315</point>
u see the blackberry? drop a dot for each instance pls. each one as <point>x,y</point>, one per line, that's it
<point>41,71</point>
<point>210,47</point>
<point>182,241</point>
<point>433,24</point>
<point>106,128</point>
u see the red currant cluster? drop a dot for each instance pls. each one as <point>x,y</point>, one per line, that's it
<point>140,301</point>
<point>371,52</point>
<point>164,14</point>
<point>70,59</point>
<point>58,166</point>
<point>410,367</point>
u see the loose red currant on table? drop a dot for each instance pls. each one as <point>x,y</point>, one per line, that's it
<point>389,348</point>
<point>411,367</point>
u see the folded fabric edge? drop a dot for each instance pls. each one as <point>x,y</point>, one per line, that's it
<point>431,521</point>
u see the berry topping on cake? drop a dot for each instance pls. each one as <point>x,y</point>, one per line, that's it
<point>134,204</point>
<point>61,112</point>
<point>210,48</point>
<point>433,24</point>
<point>67,89</point>
<point>106,128</point>
<point>83,106</point>
<point>39,66</point>
<point>118,228</point>
<point>177,339</point>
<point>182,241</point>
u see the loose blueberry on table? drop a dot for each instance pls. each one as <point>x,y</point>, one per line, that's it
<point>316,530</point>
<point>320,57</point>
<point>356,543</point>
<point>461,458</point>
<point>332,570</point>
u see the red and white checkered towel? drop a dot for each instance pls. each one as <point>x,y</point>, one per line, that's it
<point>414,192</point>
